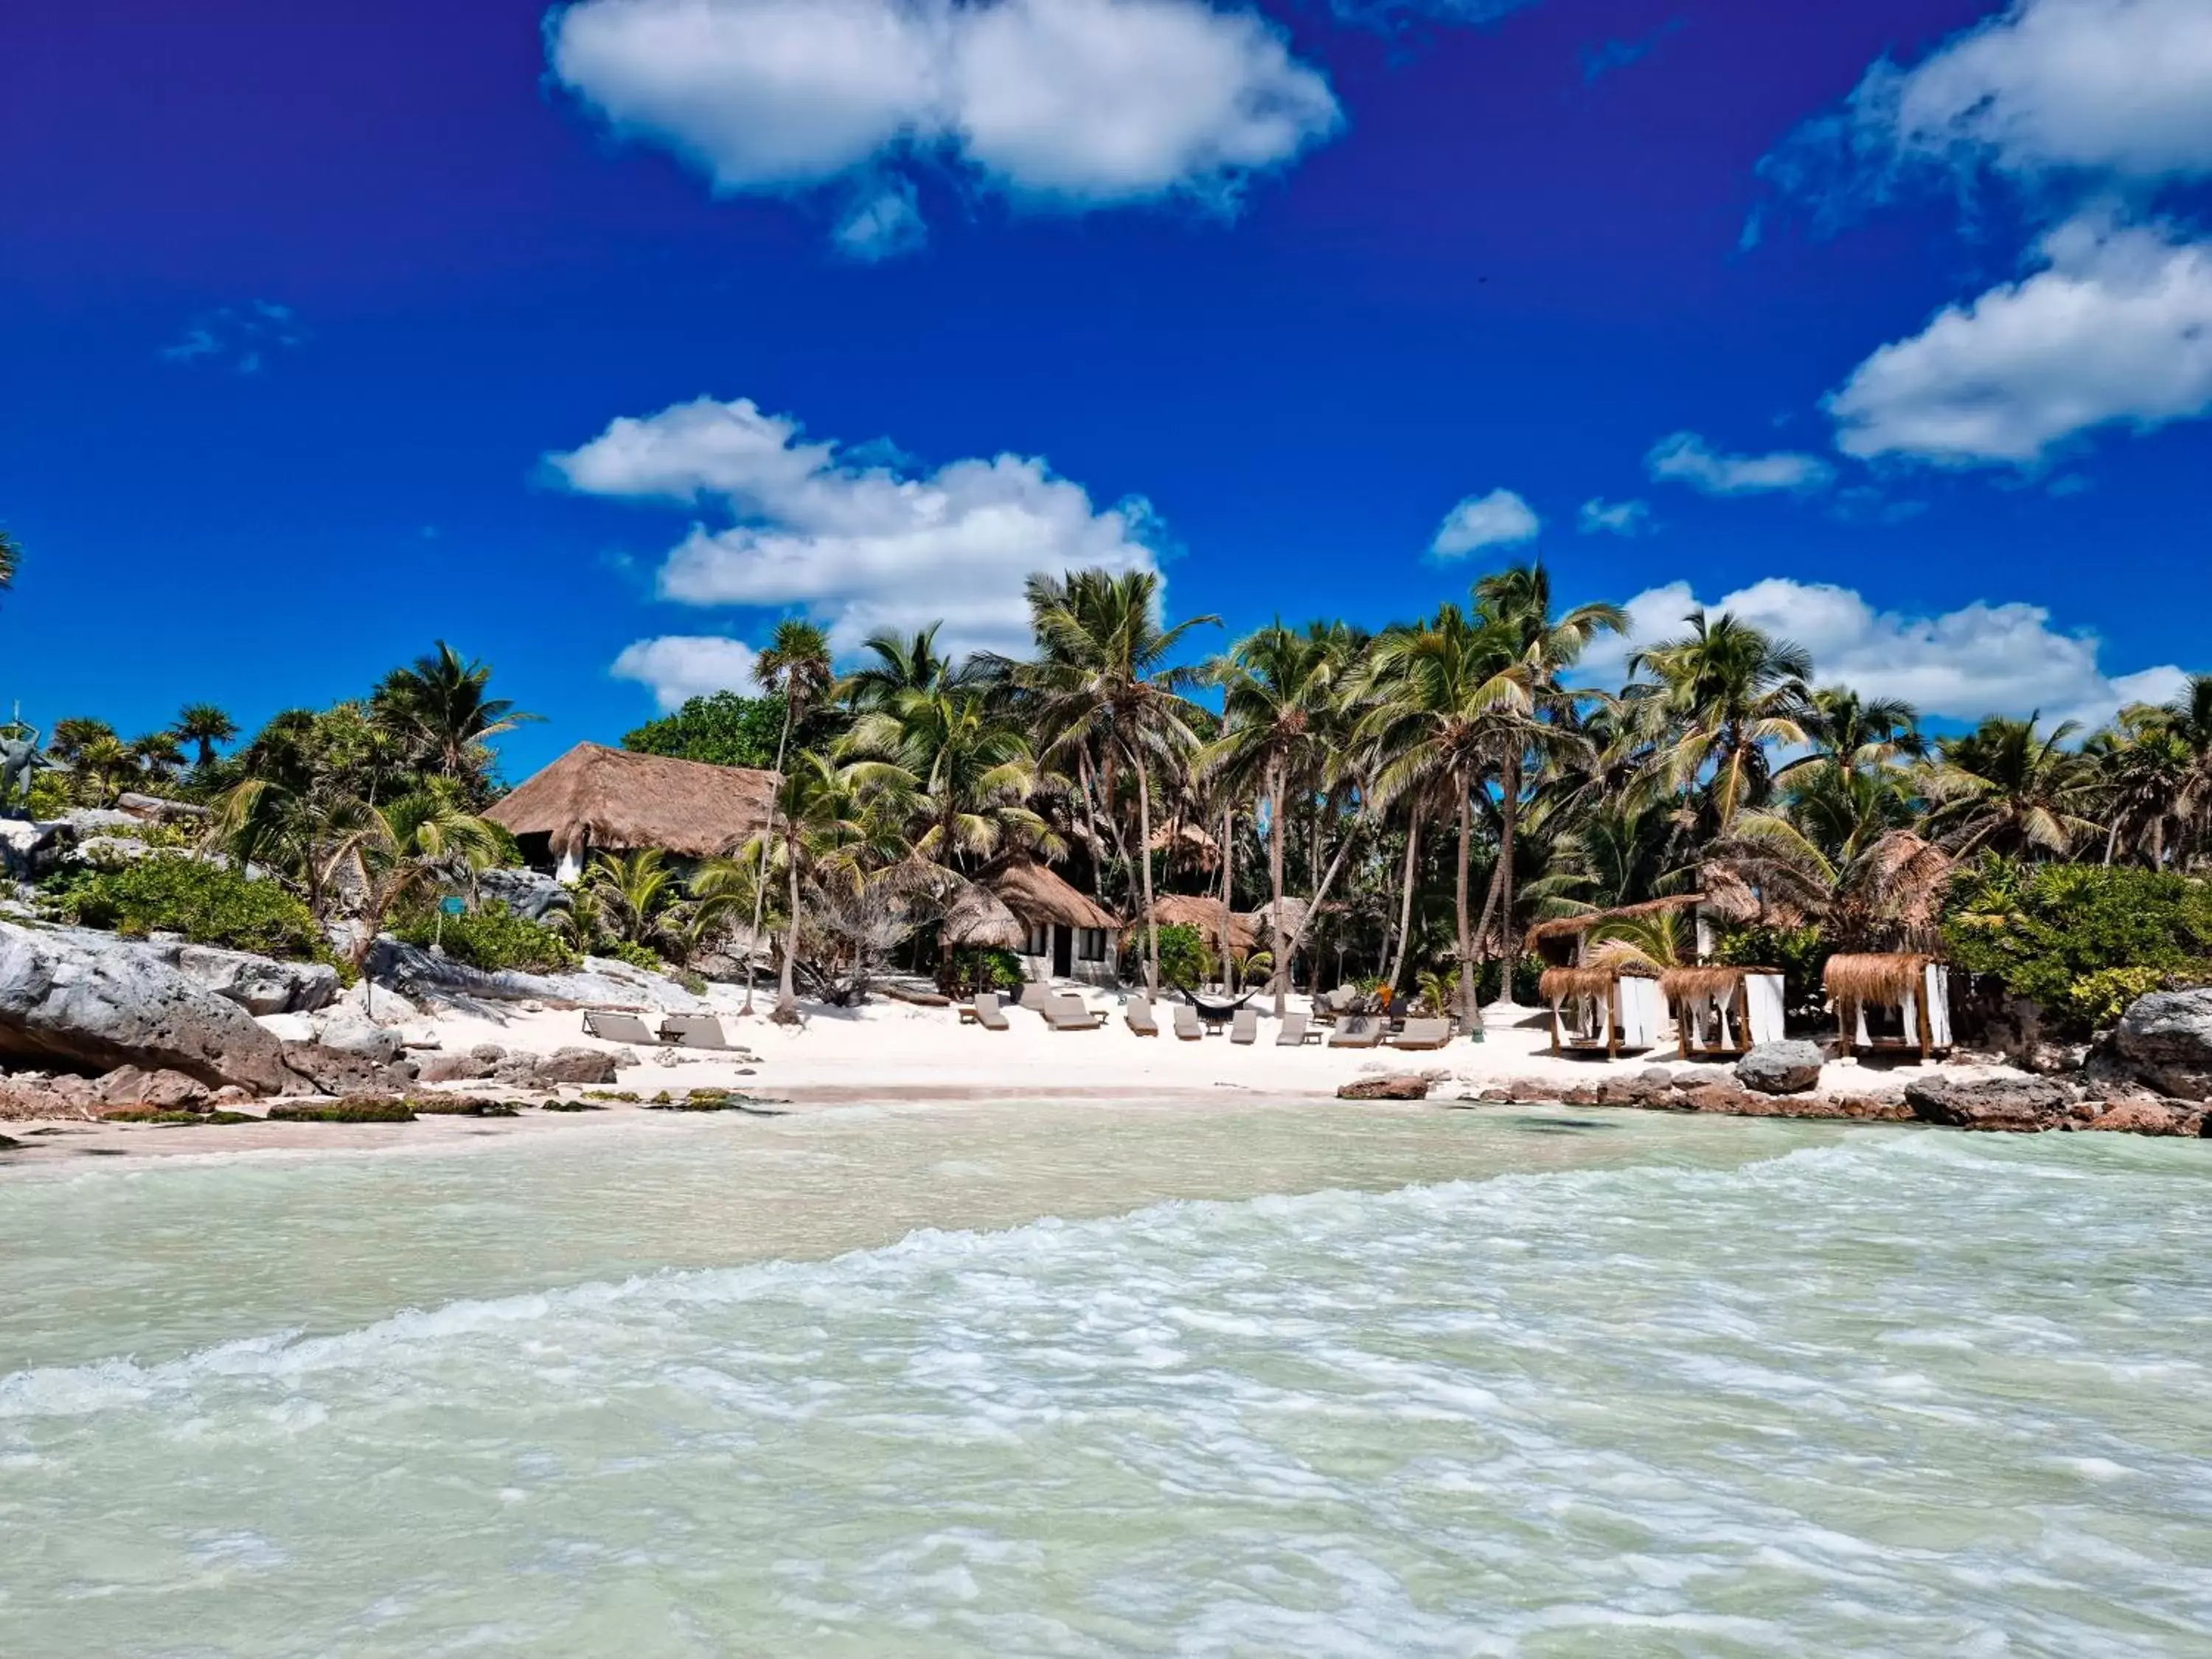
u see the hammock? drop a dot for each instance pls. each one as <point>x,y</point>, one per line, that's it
<point>1216,1011</point>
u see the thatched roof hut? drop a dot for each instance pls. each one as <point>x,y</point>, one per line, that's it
<point>979,917</point>
<point>596,797</point>
<point>1263,919</point>
<point>1034,894</point>
<point>1724,1012</point>
<point>1689,984</point>
<point>1189,910</point>
<point>1596,979</point>
<point>1885,979</point>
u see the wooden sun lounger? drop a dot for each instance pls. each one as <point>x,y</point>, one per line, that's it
<point>610,1026</point>
<point>1297,1031</point>
<point>984,1012</point>
<point>1186,1022</point>
<point>1244,1026</point>
<point>1424,1034</point>
<point>1140,1019</point>
<point>1067,1013</point>
<point>1357,1031</point>
<point>693,1031</point>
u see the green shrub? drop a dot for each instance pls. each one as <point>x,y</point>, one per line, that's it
<point>207,904</point>
<point>2075,938</point>
<point>971,967</point>
<point>493,938</point>
<point>1801,953</point>
<point>634,954</point>
<point>1183,958</point>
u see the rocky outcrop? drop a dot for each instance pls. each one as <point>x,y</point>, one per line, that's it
<point>330,1071</point>
<point>2164,1040</point>
<point>591,1068</point>
<point>260,985</point>
<point>2153,1117</point>
<point>1780,1068</point>
<point>93,1002</point>
<point>530,893</point>
<point>430,980</point>
<point>2017,1105</point>
<point>1397,1087</point>
<point>128,1085</point>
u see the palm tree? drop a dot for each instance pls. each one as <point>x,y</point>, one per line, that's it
<point>820,823</point>
<point>962,772</point>
<point>157,754</point>
<point>627,895</point>
<point>1516,601</point>
<point>11,556</point>
<point>1103,675</point>
<point>384,855</point>
<point>1720,695</point>
<point>1858,732</point>
<point>1278,689</point>
<point>2180,734</point>
<point>902,663</point>
<point>796,667</point>
<point>102,763</point>
<point>2008,788</point>
<point>71,737</point>
<point>440,703</point>
<point>205,726</point>
<point>1436,696</point>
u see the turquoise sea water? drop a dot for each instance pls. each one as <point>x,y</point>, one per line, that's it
<point>1244,1382</point>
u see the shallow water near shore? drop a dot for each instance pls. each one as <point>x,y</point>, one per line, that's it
<point>1096,1381</point>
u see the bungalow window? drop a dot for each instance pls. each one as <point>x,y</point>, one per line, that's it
<point>1040,938</point>
<point>1090,944</point>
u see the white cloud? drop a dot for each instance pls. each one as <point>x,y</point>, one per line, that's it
<point>241,338</point>
<point>2121,87</point>
<point>1065,103</point>
<point>858,545</point>
<point>1501,518</point>
<point>680,666</point>
<point>1600,517</point>
<point>1685,458</point>
<point>1962,665</point>
<point>2117,326</point>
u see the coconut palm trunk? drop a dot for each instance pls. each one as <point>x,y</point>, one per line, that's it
<point>1406,896</point>
<point>1508,822</point>
<point>760,886</point>
<point>1144,845</point>
<point>1459,899</point>
<point>787,990</point>
<point>1228,891</point>
<point>1276,942</point>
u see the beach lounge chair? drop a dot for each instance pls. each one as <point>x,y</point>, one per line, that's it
<point>1424,1034</point>
<point>1297,1031</point>
<point>1140,1019</point>
<point>1244,1026</point>
<point>1186,1022</point>
<point>1357,1031</point>
<point>1064,1012</point>
<point>693,1031</point>
<point>611,1027</point>
<point>986,1012</point>
<point>1034,994</point>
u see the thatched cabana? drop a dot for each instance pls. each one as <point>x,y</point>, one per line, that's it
<point>1723,1012</point>
<point>595,799</point>
<point>1206,914</point>
<point>1066,933</point>
<point>1890,1003</point>
<point>1562,941</point>
<point>978,918</point>
<point>1603,1006</point>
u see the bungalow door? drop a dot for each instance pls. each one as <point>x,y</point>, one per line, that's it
<point>1063,952</point>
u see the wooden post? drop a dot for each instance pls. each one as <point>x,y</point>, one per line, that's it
<point>1920,1003</point>
<point>1613,1020</point>
<point>1743,1012</point>
<point>1555,1025</point>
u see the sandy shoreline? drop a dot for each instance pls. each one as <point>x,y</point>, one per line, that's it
<point>894,1053</point>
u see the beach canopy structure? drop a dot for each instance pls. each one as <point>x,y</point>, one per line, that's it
<point>594,798</point>
<point>1564,941</point>
<point>1890,1004</point>
<point>1603,1007</point>
<point>978,918</point>
<point>1065,934</point>
<point>1722,1013</point>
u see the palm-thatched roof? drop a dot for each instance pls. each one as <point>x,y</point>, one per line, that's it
<point>1596,980</point>
<point>1034,894</point>
<point>1691,984</point>
<point>594,796</point>
<point>1568,926</point>
<point>978,916</point>
<point>1189,840</point>
<point>1883,979</point>
<point>1189,910</point>
<point>1263,919</point>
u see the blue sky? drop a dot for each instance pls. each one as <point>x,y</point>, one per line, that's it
<point>593,340</point>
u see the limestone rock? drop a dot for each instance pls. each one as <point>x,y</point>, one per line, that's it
<point>349,1033</point>
<point>378,1005</point>
<point>425,979</point>
<point>288,1028</point>
<point>94,1001</point>
<point>530,893</point>
<point>1780,1068</point>
<point>2154,1117</point>
<point>127,1085</point>
<point>260,985</point>
<point>345,1072</point>
<point>592,1067</point>
<point>2166,1039</point>
<point>2017,1105</point>
<point>156,809</point>
<point>1400,1087</point>
<point>1721,1098</point>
